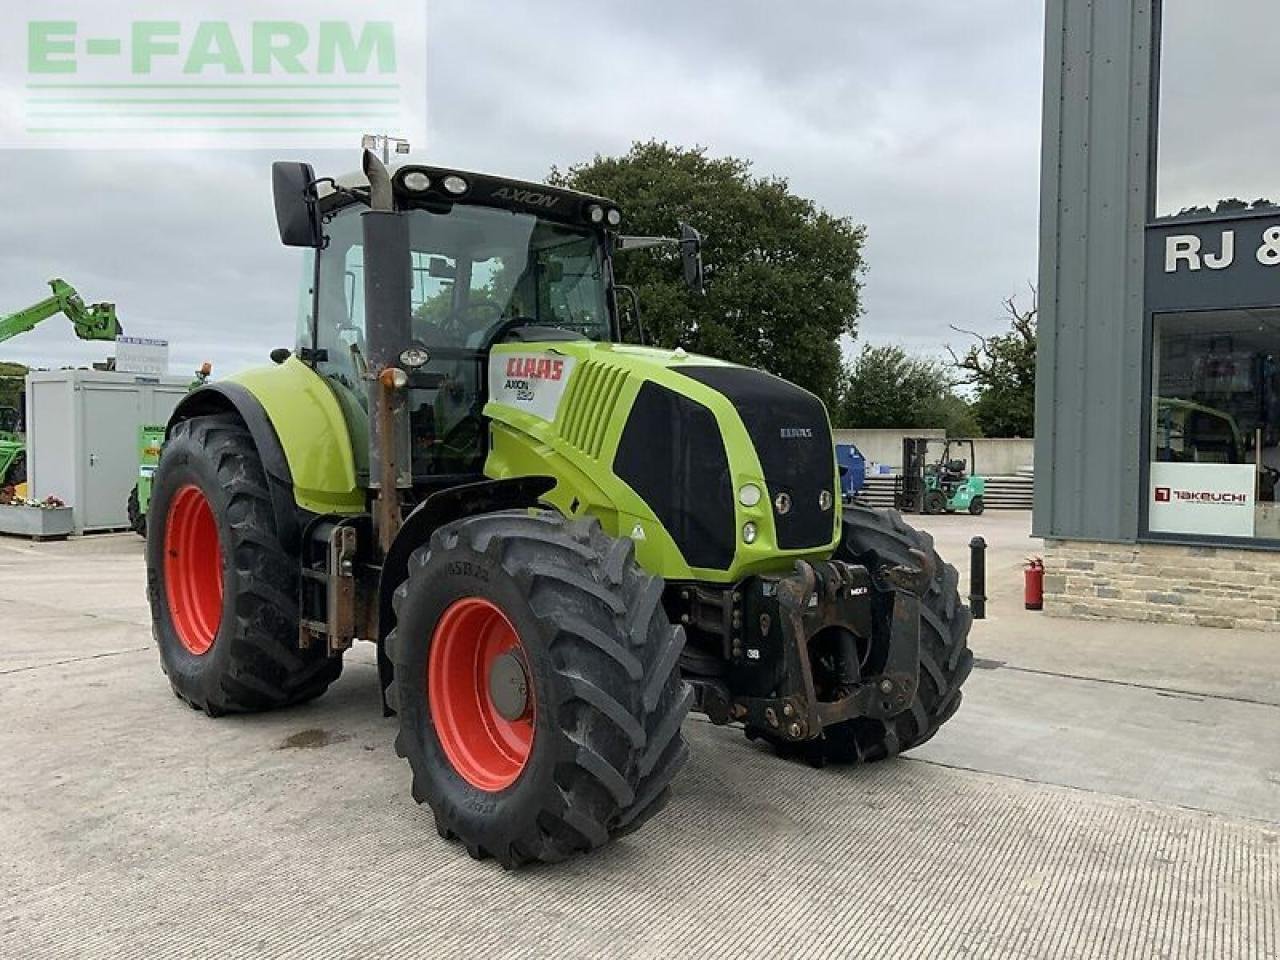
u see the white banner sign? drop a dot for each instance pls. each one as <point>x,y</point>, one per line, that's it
<point>139,355</point>
<point>181,74</point>
<point>1207,498</point>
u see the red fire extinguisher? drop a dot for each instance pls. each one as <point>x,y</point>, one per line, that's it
<point>1033,584</point>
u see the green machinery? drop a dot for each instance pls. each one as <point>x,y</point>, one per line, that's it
<point>560,542</point>
<point>150,441</point>
<point>947,484</point>
<point>91,322</point>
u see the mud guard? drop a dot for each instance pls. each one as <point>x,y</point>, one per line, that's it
<point>230,397</point>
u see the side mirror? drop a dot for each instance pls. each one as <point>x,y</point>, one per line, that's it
<point>691,255</point>
<point>296,215</point>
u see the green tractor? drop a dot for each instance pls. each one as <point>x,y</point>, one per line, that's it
<point>150,441</point>
<point>13,448</point>
<point>948,484</point>
<point>559,542</point>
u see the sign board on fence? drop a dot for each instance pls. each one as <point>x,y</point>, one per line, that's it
<point>139,355</point>
<point>1206,498</point>
<point>218,74</point>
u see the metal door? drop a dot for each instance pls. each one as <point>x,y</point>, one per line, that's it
<point>110,414</point>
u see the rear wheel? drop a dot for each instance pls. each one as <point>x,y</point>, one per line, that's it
<point>223,589</point>
<point>881,540</point>
<point>537,685</point>
<point>977,505</point>
<point>137,518</point>
<point>17,470</point>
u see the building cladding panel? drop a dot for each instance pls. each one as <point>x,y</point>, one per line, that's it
<point>1094,207</point>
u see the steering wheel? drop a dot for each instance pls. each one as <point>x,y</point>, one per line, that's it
<point>458,324</point>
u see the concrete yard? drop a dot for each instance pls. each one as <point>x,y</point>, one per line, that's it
<point>1106,790</point>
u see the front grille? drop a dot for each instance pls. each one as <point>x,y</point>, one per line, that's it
<point>789,430</point>
<point>672,455</point>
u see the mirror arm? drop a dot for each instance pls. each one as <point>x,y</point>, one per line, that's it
<point>644,243</point>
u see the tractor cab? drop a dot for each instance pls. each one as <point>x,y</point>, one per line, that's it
<point>481,261</point>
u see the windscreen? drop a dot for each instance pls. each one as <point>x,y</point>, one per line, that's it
<point>480,275</point>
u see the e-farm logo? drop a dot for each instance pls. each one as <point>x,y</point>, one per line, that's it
<point>216,73</point>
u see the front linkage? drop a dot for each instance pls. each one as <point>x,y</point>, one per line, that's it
<point>826,644</point>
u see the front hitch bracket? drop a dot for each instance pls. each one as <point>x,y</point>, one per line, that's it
<point>841,595</point>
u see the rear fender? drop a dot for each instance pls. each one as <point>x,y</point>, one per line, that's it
<point>228,397</point>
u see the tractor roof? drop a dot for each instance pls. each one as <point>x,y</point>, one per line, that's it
<point>521,196</point>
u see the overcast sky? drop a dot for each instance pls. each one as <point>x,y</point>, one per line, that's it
<point>919,118</point>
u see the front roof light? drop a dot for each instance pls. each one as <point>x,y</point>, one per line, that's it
<point>455,184</point>
<point>417,181</point>
<point>595,213</point>
<point>414,357</point>
<point>614,217</point>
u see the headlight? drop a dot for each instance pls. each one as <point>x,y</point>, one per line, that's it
<point>416,180</point>
<point>414,357</point>
<point>455,185</point>
<point>595,213</point>
<point>748,532</point>
<point>749,495</point>
<point>614,217</point>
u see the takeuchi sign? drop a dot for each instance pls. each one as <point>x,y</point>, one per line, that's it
<point>1216,499</point>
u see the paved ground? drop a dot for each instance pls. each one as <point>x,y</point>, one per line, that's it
<point>1105,791</point>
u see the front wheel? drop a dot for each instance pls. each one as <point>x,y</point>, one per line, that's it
<point>537,685</point>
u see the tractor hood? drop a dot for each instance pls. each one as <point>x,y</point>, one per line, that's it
<point>700,445</point>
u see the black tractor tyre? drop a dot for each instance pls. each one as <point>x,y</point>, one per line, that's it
<point>604,704</point>
<point>977,505</point>
<point>880,540</point>
<point>935,501</point>
<point>223,589</point>
<point>137,519</point>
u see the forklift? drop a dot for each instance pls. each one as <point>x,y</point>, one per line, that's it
<point>949,484</point>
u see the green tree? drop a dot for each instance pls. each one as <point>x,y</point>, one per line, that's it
<point>885,387</point>
<point>1001,369</point>
<point>783,275</point>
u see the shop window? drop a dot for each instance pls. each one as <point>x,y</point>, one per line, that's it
<point>1217,142</point>
<point>1215,424</point>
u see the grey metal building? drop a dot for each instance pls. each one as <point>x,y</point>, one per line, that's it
<point>1158,378</point>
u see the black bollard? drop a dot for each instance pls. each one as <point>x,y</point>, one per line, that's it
<point>978,578</point>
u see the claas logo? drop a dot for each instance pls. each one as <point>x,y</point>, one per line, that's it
<point>534,368</point>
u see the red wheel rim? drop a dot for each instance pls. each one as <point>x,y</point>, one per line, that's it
<point>193,569</point>
<point>485,748</point>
